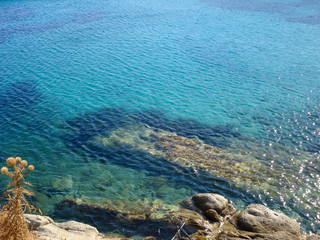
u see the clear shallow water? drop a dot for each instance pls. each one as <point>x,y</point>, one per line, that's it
<point>243,76</point>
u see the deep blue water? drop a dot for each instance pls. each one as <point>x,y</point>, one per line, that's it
<point>243,76</point>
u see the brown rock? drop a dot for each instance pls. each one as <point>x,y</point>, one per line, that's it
<point>194,221</point>
<point>188,204</point>
<point>212,215</point>
<point>260,219</point>
<point>205,201</point>
<point>229,210</point>
<point>199,224</point>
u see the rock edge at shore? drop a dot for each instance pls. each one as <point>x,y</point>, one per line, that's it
<point>206,216</point>
<point>46,229</point>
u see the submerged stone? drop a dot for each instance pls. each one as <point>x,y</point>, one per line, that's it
<point>186,152</point>
<point>62,184</point>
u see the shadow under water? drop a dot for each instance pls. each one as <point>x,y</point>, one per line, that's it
<point>285,9</point>
<point>105,120</point>
<point>81,17</point>
<point>107,220</point>
<point>82,129</point>
<point>21,109</point>
<point>20,95</point>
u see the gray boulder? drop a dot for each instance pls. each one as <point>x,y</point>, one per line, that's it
<point>46,229</point>
<point>260,219</point>
<point>69,230</point>
<point>36,221</point>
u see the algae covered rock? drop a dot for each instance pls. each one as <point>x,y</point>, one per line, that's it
<point>63,184</point>
<point>184,151</point>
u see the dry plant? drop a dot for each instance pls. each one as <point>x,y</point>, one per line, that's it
<point>12,222</point>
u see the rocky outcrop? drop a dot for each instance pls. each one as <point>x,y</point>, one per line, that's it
<point>203,216</point>
<point>154,221</point>
<point>46,229</point>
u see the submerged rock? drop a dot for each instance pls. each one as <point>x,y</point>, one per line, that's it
<point>62,184</point>
<point>186,152</point>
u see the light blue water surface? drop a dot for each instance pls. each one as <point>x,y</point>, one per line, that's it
<point>249,68</point>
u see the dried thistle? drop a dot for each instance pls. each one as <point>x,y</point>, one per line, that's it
<point>12,222</point>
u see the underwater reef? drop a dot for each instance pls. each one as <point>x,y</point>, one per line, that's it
<point>186,152</point>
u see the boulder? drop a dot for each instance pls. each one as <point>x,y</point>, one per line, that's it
<point>46,229</point>
<point>260,219</point>
<point>69,230</point>
<point>206,201</point>
<point>36,221</point>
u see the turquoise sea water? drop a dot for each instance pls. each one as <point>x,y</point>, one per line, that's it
<point>243,76</point>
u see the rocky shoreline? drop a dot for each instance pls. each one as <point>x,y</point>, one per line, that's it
<point>203,216</point>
